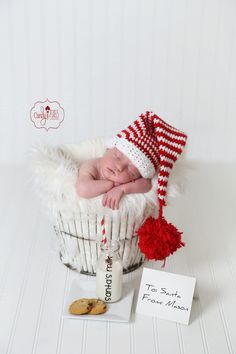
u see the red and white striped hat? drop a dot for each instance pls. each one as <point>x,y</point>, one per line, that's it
<point>153,146</point>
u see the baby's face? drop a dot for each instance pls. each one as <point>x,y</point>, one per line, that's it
<point>117,167</point>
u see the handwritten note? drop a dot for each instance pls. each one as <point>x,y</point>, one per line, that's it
<point>166,295</point>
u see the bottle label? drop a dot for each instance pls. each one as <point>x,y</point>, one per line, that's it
<point>108,282</point>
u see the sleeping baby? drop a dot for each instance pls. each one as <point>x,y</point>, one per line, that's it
<point>147,146</point>
<point>113,175</point>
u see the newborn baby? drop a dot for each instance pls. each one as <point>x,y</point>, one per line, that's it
<point>113,174</point>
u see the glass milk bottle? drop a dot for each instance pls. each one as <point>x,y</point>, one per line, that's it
<point>109,272</point>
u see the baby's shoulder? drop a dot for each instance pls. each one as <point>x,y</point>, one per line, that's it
<point>89,167</point>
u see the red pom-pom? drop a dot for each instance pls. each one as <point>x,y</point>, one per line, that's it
<point>158,238</point>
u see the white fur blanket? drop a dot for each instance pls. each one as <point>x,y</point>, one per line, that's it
<point>54,173</point>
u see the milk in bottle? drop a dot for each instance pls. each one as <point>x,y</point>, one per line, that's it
<point>109,272</point>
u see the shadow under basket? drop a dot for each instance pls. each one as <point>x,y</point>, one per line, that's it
<point>80,252</point>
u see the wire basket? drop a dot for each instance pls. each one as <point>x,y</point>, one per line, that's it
<point>78,241</point>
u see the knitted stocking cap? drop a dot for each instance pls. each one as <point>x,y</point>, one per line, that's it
<point>152,145</point>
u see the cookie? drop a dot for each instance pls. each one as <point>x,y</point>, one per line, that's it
<point>98,307</point>
<point>80,307</point>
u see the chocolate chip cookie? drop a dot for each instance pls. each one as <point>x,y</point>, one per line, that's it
<point>80,307</point>
<point>98,307</point>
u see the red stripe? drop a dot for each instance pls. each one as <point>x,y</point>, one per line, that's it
<point>149,141</point>
<point>174,140</point>
<point>141,137</point>
<point>168,155</point>
<point>133,131</point>
<point>161,192</point>
<point>126,133</point>
<point>137,125</point>
<point>146,153</point>
<point>168,126</point>
<point>166,164</point>
<point>162,183</point>
<point>169,130</point>
<point>173,148</point>
<point>164,173</point>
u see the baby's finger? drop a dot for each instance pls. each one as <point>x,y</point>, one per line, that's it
<point>117,204</point>
<point>108,202</point>
<point>104,199</point>
<point>113,203</point>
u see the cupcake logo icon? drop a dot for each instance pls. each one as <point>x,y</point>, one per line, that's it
<point>47,114</point>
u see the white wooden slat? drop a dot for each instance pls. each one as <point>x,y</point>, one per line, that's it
<point>139,324</point>
<point>143,54</point>
<point>74,337</point>
<point>174,60</point>
<point>112,63</point>
<point>192,54</point>
<point>49,333</point>
<point>17,74</point>
<point>128,61</point>
<point>28,319</point>
<point>79,232</point>
<point>86,242</point>
<point>163,330</point>
<point>98,40</point>
<point>161,33</point>
<point>7,77</point>
<point>82,85</point>
<point>84,335</point>
<point>16,278</point>
<point>191,339</point>
<point>221,273</point>
<point>201,238</point>
<point>123,226</point>
<point>98,335</point>
<point>9,191</point>
<point>119,336</point>
<point>93,238</point>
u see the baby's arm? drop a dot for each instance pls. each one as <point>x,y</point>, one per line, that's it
<point>87,186</point>
<point>140,185</point>
<point>112,198</point>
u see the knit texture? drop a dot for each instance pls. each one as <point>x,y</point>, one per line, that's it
<point>151,144</point>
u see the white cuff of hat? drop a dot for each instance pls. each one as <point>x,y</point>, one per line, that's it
<point>136,156</point>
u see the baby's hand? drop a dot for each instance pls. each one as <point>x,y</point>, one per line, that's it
<point>112,198</point>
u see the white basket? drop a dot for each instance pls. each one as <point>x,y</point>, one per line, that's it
<point>76,220</point>
<point>79,246</point>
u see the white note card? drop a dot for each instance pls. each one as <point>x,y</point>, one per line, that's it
<point>166,295</point>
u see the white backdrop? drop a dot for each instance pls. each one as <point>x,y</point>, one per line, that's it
<point>108,61</point>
